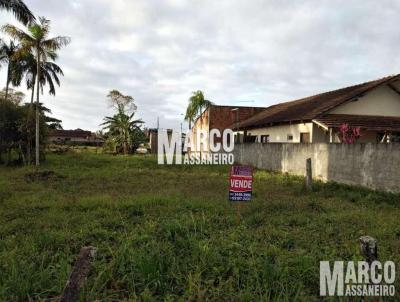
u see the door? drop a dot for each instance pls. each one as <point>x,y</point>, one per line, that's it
<point>305,138</point>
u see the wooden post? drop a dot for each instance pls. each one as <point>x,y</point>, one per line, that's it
<point>308,174</point>
<point>369,248</point>
<point>78,275</point>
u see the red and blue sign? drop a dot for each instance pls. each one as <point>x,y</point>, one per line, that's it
<point>241,183</point>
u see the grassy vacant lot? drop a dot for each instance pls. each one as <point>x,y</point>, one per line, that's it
<point>169,233</point>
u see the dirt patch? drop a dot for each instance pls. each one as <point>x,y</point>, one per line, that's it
<point>42,175</point>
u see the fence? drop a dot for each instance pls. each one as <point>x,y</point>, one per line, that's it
<point>376,166</point>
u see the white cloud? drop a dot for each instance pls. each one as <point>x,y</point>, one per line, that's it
<point>236,51</point>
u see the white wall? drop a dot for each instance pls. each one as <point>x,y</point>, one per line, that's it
<point>278,134</point>
<point>382,101</point>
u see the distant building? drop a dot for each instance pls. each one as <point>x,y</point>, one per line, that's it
<point>75,137</point>
<point>152,136</point>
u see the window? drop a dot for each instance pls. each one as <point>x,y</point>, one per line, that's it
<point>265,139</point>
<point>305,138</point>
<point>289,137</point>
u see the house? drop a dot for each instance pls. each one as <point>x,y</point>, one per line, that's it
<point>75,137</point>
<point>152,136</point>
<point>220,117</point>
<point>373,107</point>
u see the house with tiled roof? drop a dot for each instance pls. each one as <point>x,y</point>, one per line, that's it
<point>372,107</point>
<point>75,137</point>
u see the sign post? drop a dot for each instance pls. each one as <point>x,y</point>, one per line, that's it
<point>241,186</point>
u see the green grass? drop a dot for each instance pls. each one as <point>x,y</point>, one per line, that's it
<point>168,232</point>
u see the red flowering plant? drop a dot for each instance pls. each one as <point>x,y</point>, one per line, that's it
<point>348,134</point>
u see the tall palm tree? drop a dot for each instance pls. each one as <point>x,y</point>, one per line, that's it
<point>197,104</point>
<point>49,74</point>
<point>121,127</point>
<point>20,10</point>
<point>7,53</point>
<point>37,41</point>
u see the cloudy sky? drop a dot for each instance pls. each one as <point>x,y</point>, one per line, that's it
<point>249,53</point>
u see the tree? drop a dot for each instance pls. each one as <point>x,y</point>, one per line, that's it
<point>122,128</point>
<point>13,96</point>
<point>7,55</point>
<point>197,104</point>
<point>37,41</point>
<point>19,9</point>
<point>117,99</point>
<point>190,115</point>
<point>15,125</point>
<point>49,74</point>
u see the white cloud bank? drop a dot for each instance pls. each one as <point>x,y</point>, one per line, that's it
<point>235,51</point>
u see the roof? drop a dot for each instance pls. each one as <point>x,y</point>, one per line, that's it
<point>366,122</point>
<point>71,133</point>
<point>309,108</point>
<point>155,130</point>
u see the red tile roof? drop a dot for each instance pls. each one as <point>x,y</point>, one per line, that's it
<point>366,122</point>
<point>309,108</point>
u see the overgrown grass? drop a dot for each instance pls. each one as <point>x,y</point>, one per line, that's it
<point>168,232</point>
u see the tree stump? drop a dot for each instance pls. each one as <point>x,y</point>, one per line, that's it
<point>78,275</point>
<point>369,248</point>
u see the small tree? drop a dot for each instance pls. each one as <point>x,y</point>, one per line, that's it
<point>12,95</point>
<point>348,134</point>
<point>117,100</point>
<point>123,131</point>
<point>197,104</point>
<point>15,137</point>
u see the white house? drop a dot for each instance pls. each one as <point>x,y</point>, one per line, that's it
<point>373,106</point>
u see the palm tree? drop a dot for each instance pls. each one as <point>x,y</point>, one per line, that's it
<point>49,74</point>
<point>190,115</point>
<point>121,127</point>
<point>36,41</point>
<point>20,10</point>
<point>7,53</point>
<point>197,104</point>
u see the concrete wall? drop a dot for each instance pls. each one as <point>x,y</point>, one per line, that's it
<point>382,101</point>
<point>376,166</point>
